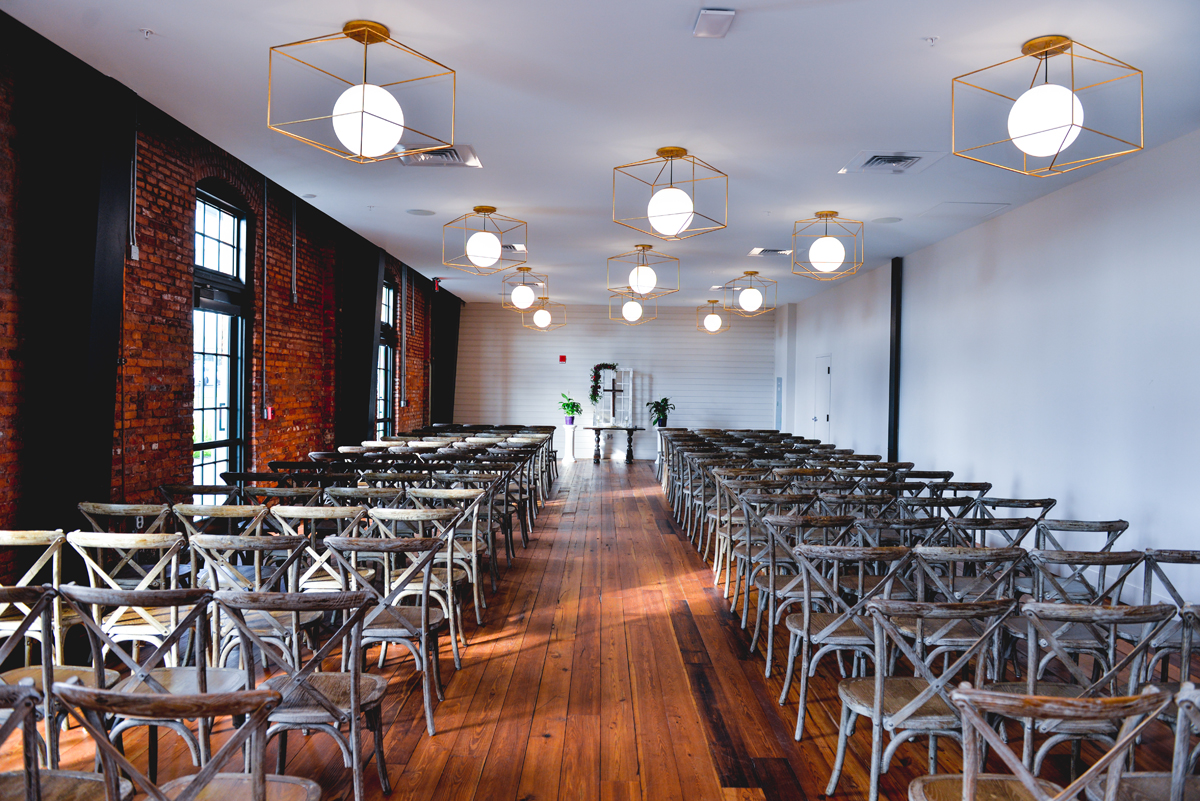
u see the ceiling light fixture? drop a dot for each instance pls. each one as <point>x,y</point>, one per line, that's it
<point>643,274</point>
<point>750,295</point>
<point>827,246</point>
<point>630,311</point>
<point>483,242</point>
<point>544,315</point>
<point>671,196</point>
<point>519,289</point>
<point>713,23</point>
<point>709,319</point>
<point>1051,130</point>
<point>342,93</point>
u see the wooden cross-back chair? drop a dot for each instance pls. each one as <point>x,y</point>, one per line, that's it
<point>1102,781</point>
<point>780,583</point>
<point>29,615</point>
<point>1170,642</point>
<point>463,534</point>
<point>314,523</point>
<point>254,705</point>
<point>252,564</point>
<point>128,518</point>
<point>829,622</point>
<point>292,496</point>
<point>165,670</point>
<point>414,627</point>
<point>19,707</point>
<point>908,707</point>
<point>425,524</point>
<point>131,622</point>
<point>46,567</point>
<point>315,699</point>
<point>1059,634</point>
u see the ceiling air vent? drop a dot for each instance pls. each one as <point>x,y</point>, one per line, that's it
<point>768,252</point>
<point>457,156</point>
<point>514,248</point>
<point>891,162</point>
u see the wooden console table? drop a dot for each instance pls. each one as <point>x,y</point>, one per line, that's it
<point>629,440</point>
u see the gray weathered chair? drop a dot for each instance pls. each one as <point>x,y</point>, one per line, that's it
<point>254,705</point>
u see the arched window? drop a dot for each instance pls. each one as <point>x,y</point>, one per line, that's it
<point>385,364</point>
<point>221,305</point>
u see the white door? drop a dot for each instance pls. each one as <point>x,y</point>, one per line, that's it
<point>822,391</point>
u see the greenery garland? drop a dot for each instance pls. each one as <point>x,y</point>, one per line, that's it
<point>594,395</point>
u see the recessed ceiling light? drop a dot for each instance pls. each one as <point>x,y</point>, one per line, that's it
<point>886,220</point>
<point>713,23</point>
<point>308,196</point>
<point>421,212</point>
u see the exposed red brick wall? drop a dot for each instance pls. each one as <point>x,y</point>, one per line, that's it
<point>10,362</point>
<point>416,366</point>
<point>157,394</point>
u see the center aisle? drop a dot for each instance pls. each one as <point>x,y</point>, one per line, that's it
<point>610,668</point>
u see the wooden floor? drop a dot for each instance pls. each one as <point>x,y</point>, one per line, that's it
<point>609,668</point>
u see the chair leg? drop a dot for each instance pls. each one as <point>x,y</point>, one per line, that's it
<point>876,758</point>
<point>791,666</point>
<point>152,753</point>
<point>281,756</point>
<point>374,718</point>
<point>840,759</point>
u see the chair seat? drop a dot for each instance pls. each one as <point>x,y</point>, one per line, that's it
<point>762,582</point>
<point>85,675</point>
<point>725,518</point>
<point>300,708</point>
<point>758,552</point>
<point>385,623</point>
<point>962,634</point>
<point>1142,787</point>
<point>62,785</point>
<point>846,634</point>
<point>859,695</point>
<point>238,786</point>
<point>1054,689</point>
<point>851,584</point>
<point>990,787</point>
<point>184,681</point>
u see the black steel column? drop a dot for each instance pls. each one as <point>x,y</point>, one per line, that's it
<point>893,447</point>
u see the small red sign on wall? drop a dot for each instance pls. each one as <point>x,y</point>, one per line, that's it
<point>562,359</point>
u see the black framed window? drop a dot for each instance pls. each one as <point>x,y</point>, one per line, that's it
<point>220,306</point>
<point>385,365</point>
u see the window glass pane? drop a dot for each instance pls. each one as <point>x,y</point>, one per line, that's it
<point>212,220</point>
<point>227,221</point>
<point>199,218</point>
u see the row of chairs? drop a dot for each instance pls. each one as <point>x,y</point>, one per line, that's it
<point>892,570</point>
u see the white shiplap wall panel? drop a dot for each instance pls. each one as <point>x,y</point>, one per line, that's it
<point>509,374</point>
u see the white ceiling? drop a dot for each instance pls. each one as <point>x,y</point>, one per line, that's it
<point>554,93</point>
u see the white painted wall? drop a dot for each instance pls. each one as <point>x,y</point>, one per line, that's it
<point>1055,350</point>
<point>848,322</point>
<point>509,374</point>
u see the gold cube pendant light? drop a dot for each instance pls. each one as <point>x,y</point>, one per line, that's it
<point>484,242</point>
<point>643,274</point>
<point>361,95</point>
<point>749,295</point>
<point>630,311</point>
<point>671,196</point>
<point>709,319</point>
<point>827,246</point>
<point>544,316</point>
<point>520,289</point>
<point>1058,106</point>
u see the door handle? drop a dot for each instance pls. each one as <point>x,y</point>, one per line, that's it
<point>814,419</point>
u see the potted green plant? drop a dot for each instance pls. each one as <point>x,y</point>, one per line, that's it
<point>659,409</point>
<point>570,409</point>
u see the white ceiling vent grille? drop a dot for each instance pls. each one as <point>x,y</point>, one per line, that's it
<point>457,156</point>
<point>514,248</point>
<point>768,252</point>
<point>891,162</point>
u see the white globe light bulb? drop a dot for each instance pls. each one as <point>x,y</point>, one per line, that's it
<point>483,249</point>
<point>670,211</point>
<point>642,279</point>
<point>367,120</point>
<point>632,311</point>
<point>541,318</point>
<point>1045,120</point>
<point>522,296</point>
<point>827,254</point>
<point>750,299</point>
<point>712,322</point>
